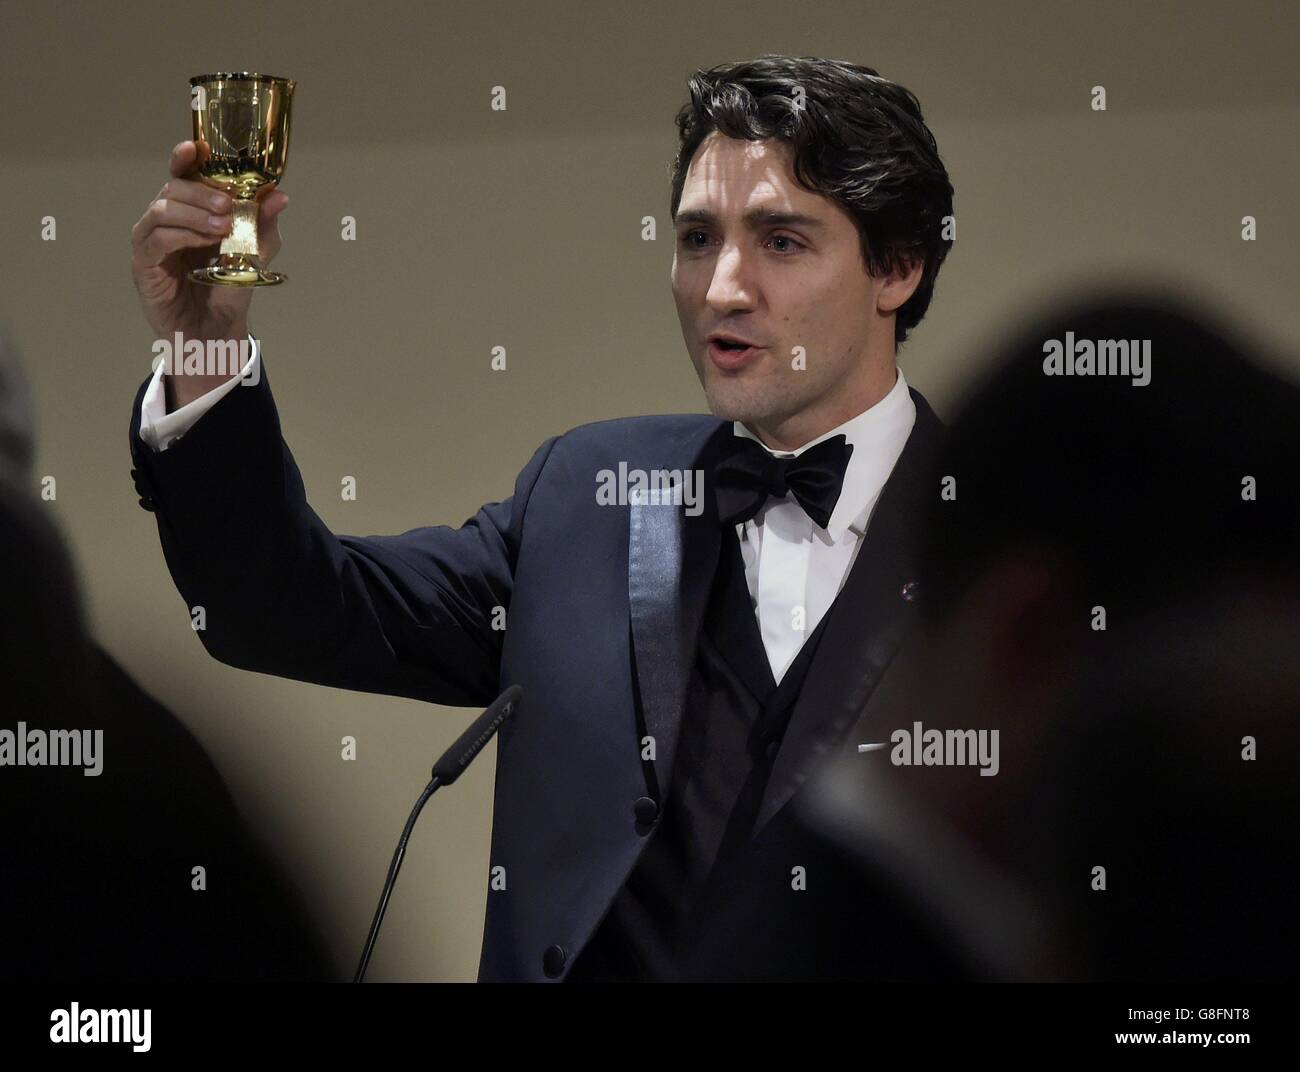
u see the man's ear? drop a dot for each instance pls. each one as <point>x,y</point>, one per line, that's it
<point>900,284</point>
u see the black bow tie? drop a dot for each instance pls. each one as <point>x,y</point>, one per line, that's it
<point>745,478</point>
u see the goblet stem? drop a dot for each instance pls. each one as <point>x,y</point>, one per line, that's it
<point>243,230</point>
<point>240,262</point>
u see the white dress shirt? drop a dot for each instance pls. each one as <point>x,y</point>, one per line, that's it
<point>159,429</point>
<point>794,568</point>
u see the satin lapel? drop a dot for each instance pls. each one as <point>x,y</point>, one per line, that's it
<point>867,620</point>
<point>672,557</point>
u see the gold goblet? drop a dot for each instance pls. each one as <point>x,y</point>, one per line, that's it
<point>241,127</point>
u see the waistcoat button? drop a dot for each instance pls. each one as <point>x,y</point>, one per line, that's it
<point>553,960</point>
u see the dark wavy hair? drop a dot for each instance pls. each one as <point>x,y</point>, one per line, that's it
<point>858,138</point>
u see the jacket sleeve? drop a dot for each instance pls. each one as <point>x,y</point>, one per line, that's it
<point>409,615</point>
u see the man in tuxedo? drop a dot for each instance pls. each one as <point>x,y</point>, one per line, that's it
<point>710,658</point>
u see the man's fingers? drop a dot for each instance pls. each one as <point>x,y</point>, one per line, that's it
<point>188,213</point>
<point>273,205</point>
<point>182,158</point>
<point>268,224</point>
<point>161,242</point>
<point>166,212</point>
<point>197,194</point>
<point>187,157</point>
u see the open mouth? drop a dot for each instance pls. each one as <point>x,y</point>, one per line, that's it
<point>729,354</point>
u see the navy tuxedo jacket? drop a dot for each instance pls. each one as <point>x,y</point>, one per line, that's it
<point>603,606</point>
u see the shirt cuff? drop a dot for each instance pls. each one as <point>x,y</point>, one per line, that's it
<point>159,429</point>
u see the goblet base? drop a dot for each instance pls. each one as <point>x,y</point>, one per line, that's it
<point>236,272</point>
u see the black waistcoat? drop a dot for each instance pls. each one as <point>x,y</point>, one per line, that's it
<point>735,718</point>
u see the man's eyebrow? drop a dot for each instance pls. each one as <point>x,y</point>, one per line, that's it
<point>754,218</point>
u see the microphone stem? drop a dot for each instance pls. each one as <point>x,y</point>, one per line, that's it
<point>393,868</point>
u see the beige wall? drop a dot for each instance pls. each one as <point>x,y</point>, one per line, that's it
<point>478,228</point>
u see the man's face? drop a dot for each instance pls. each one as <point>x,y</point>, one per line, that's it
<point>796,288</point>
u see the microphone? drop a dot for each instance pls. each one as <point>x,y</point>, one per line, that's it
<point>450,767</point>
